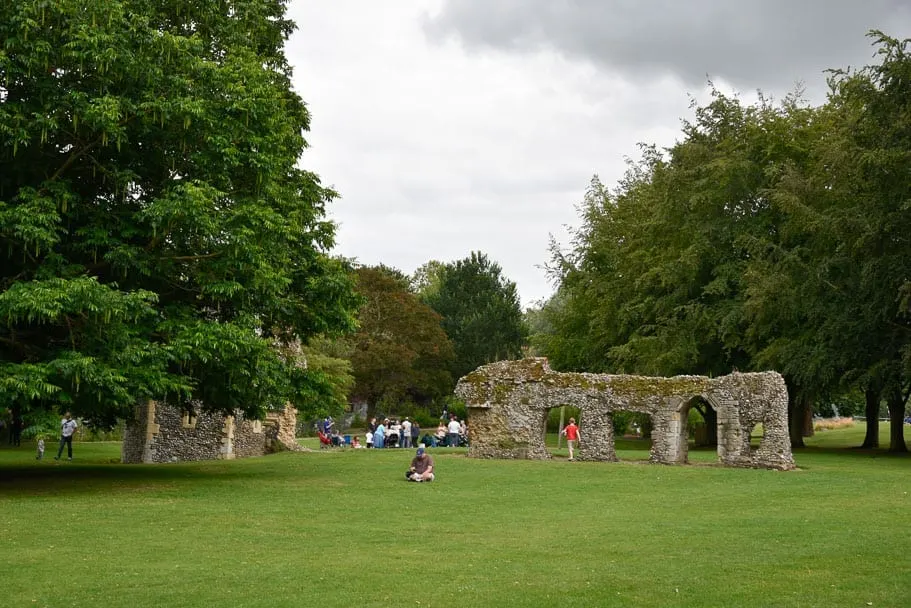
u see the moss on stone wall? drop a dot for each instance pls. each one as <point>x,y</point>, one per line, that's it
<point>506,400</point>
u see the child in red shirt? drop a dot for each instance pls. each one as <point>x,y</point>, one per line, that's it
<point>572,435</point>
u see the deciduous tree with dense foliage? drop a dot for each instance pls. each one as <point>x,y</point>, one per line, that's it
<point>770,235</point>
<point>157,239</point>
<point>480,309</point>
<point>400,351</point>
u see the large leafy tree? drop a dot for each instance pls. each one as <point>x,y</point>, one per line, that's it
<point>157,239</point>
<point>850,257</point>
<point>770,235</point>
<point>400,351</point>
<point>480,309</point>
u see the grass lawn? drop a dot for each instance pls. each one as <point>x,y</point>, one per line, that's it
<point>341,528</point>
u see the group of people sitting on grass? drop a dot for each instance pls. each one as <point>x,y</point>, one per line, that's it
<point>449,434</point>
<point>397,434</point>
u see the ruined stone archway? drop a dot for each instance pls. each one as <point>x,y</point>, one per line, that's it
<point>680,431</point>
<point>508,403</point>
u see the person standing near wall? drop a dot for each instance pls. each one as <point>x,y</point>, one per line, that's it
<point>67,428</point>
<point>572,436</point>
<point>454,429</point>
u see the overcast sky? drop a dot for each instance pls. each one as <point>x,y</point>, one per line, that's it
<point>449,126</point>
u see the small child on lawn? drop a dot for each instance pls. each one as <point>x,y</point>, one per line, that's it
<point>40,449</point>
<point>572,435</point>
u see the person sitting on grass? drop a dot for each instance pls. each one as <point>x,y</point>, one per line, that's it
<point>421,467</point>
<point>440,437</point>
<point>356,442</point>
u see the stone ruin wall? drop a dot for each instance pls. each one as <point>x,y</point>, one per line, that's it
<point>508,404</point>
<point>160,432</point>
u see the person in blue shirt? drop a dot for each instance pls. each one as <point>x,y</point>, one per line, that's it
<point>379,436</point>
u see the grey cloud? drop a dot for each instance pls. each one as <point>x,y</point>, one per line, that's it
<point>768,44</point>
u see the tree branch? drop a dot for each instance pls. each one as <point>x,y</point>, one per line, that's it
<point>190,258</point>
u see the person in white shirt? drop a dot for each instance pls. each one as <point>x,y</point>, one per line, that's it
<point>67,428</point>
<point>454,429</point>
<point>394,438</point>
<point>406,434</point>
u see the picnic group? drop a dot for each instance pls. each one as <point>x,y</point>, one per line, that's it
<point>396,433</point>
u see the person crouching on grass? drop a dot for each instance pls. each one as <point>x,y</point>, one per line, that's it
<point>421,467</point>
<point>572,436</point>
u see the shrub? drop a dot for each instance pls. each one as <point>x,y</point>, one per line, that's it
<point>424,418</point>
<point>621,422</point>
<point>830,424</point>
<point>456,406</point>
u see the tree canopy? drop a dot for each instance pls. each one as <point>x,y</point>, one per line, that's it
<point>400,352</point>
<point>770,235</point>
<point>157,238</point>
<point>480,310</point>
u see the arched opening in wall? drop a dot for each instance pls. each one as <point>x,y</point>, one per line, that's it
<point>756,435</point>
<point>696,428</point>
<point>632,434</point>
<point>554,442</point>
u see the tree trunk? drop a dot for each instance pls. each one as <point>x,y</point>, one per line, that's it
<point>896,422</point>
<point>711,426</point>
<point>807,420</point>
<point>872,396</point>
<point>795,420</point>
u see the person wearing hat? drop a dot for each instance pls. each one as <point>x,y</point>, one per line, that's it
<point>421,467</point>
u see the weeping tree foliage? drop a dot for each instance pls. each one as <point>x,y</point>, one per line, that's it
<point>157,239</point>
<point>770,236</point>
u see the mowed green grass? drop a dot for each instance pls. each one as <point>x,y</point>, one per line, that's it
<point>341,528</point>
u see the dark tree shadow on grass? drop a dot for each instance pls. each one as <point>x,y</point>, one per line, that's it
<point>76,478</point>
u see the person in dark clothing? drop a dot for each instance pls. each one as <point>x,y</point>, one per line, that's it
<point>15,429</point>
<point>67,428</point>
<point>415,433</point>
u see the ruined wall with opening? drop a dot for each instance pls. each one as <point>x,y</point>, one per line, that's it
<point>159,432</point>
<point>508,402</point>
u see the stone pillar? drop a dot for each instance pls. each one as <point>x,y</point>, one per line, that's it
<point>140,434</point>
<point>775,448</point>
<point>663,441</point>
<point>597,429</point>
<point>227,441</point>
<point>677,440</point>
<point>731,439</point>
